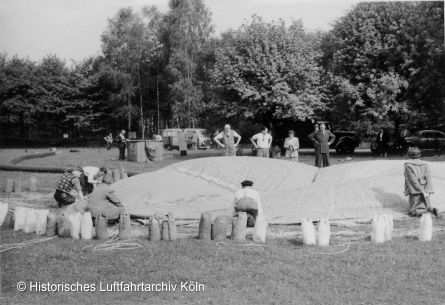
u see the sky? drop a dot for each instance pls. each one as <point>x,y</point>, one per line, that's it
<point>71,29</point>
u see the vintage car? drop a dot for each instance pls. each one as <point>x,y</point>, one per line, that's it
<point>170,137</point>
<point>427,139</point>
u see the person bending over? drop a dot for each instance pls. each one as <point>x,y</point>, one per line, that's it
<point>104,201</point>
<point>418,184</point>
<point>248,200</point>
<point>69,182</point>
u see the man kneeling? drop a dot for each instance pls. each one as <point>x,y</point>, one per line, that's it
<point>104,201</point>
<point>248,200</point>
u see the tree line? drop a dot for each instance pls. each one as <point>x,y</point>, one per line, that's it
<point>381,64</point>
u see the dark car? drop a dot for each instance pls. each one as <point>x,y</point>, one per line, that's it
<point>427,139</point>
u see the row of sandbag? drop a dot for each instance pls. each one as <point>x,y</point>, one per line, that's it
<point>16,185</point>
<point>217,230</point>
<point>77,225</point>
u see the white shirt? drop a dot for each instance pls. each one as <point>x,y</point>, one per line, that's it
<point>263,140</point>
<point>90,172</point>
<point>250,193</point>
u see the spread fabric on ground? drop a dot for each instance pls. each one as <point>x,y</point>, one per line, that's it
<point>289,191</point>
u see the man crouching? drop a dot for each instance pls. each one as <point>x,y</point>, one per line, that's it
<point>418,184</point>
<point>248,200</point>
<point>104,201</point>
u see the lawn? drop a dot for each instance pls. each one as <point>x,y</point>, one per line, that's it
<point>283,271</point>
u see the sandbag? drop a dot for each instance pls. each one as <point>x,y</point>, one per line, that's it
<point>101,227</point>
<point>51,224</point>
<point>219,228</point>
<point>4,207</point>
<point>42,218</point>
<point>86,226</point>
<point>30,221</point>
<point>425,227</point>
<point>8,221</point>
<point>204,226</point>
<point>123,172</point>
<point>124,226</point>
<point>9,185</point>
<point>323,233</point>
<point>378,229</point>
<point>74,220</point>
<point>239,226</point>
<point>17,187</point>
<point>169,230</point>
<point>308,231</point>
<point>63,225</point>
<point>19,218</point>
<point>33,184</point>
<point>154,229</point>
<point>389,226</point>
<point>259,230</point>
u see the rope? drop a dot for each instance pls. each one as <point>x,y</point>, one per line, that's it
<point>248,246</point>
<point>6,247</point>
<point>348,244</point>
<point>114,243</point>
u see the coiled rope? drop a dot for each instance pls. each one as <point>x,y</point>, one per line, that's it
<point>6,247</point>
<point>114,243</point>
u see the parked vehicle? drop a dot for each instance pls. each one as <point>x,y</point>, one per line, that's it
<point>345,141</point>
<point>427,139</point>
<point>395,145</point>
<point>170,137</point>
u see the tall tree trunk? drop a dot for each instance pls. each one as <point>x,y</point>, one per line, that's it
<point>157,99</point>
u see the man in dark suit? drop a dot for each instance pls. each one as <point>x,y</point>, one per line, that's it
<point>322,139</point>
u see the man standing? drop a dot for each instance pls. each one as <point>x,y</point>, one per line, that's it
<point>109,140</point>
<point>383,141</point>
<point>263,141</point>
<point>291,145</point>
<point>248,200</point>
<point>182,140</point>
<point>227,142</point>
<point>418,184</point>
<point>323,138</point>
<point>121,144</point>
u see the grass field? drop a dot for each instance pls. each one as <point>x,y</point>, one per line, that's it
<point>283,271</point>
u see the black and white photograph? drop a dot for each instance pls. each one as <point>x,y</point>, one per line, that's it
<point>222,152</point>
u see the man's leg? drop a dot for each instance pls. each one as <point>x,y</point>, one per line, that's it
<point>317,159</point>
<point>327,161</point>
<point>417,205</point>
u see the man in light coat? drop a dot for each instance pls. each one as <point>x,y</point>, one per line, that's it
<point>418,184</point>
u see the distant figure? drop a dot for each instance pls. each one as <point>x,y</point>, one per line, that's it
<point>195,141</point>
<point>291,144</point>
<point>262,144</point>
<point>121,144</point>
<point>382,142</point>
<point>103,200</point>
<point>227,142</point>
<point>323,138</point>
<point>109,140</point>
<point>418,184</point>
<point>182,140</point>
<point>69,182</point>
<point>157,137</point>
<point>317,148</point>
<point>248,200</point>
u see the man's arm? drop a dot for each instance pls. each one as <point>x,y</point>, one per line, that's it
<point>252,139</point>
<point>216,139</point>
<point>270,140</point>
<point>235,134</point>
<point>331,136</point>
<point>312,138</point>
<point>77,186</point>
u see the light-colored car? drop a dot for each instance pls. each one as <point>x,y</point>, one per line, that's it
<point>170,137</point>
<point>427,139</point>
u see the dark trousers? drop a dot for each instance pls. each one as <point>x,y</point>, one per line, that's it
<point>183,153</point>
<point>122,151</point>
<point>63,199</point>
<point>108,145</point>
<point>322,160</point>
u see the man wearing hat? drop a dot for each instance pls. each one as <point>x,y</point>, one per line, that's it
<point>322,139</point>
<point>226,140</point>
<point>291,145</point>
<point>69,181</point>
<point>248,200</point>
<point>418,184</point>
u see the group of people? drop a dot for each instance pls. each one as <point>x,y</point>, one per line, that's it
<point>92,184</point>
<point>229,139</point>
<point>121,142</point>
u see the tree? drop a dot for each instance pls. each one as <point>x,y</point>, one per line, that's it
<point>187,29</point>
<point>268,71</point>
